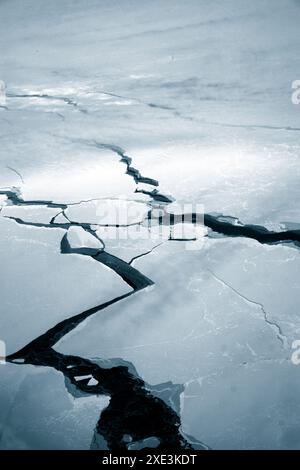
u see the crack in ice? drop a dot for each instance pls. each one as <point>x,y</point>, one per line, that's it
<point>124,386</point>
<point>275,327</point>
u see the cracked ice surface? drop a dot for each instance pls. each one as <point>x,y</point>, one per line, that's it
<point>220,331</point>
<point>35,214</point>
<point>105,105</point>
<point>36,273</point>
<point>108,212</point>
<point>230,127</point>
<point>41,414</point>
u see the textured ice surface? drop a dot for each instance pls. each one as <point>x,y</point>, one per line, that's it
<point>35,214</point>
<point>188,317</point>
<point>199,97</point>
<point>41,414</point>
<point>40,287</point>
<point>233,333</point>
<point>108,212</point>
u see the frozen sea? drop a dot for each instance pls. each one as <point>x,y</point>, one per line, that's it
<point>114,109</point>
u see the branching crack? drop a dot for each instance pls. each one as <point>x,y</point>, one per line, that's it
<point>133,409</point>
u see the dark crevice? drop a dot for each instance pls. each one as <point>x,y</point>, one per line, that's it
<point>14,196</point>
<point>144,254</point>
<point>68,224</point>
<point>52,221</point>
<point>174,239</point>
<point>52,336</point>
<point>63,226</point>
<point>135,409</point>
<point>256,232</point>
<point>68,101</point>
<point>133,172</point>
<point>228,226</point>
<point>130,275</point>
<point>156,196</point>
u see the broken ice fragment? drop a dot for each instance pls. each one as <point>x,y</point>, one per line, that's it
<point>82,377</point>
<point>80,238</point>
<point>93,381</point>
<point>60,219</point>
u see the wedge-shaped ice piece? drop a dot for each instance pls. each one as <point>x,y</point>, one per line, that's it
<point>80,238</point>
